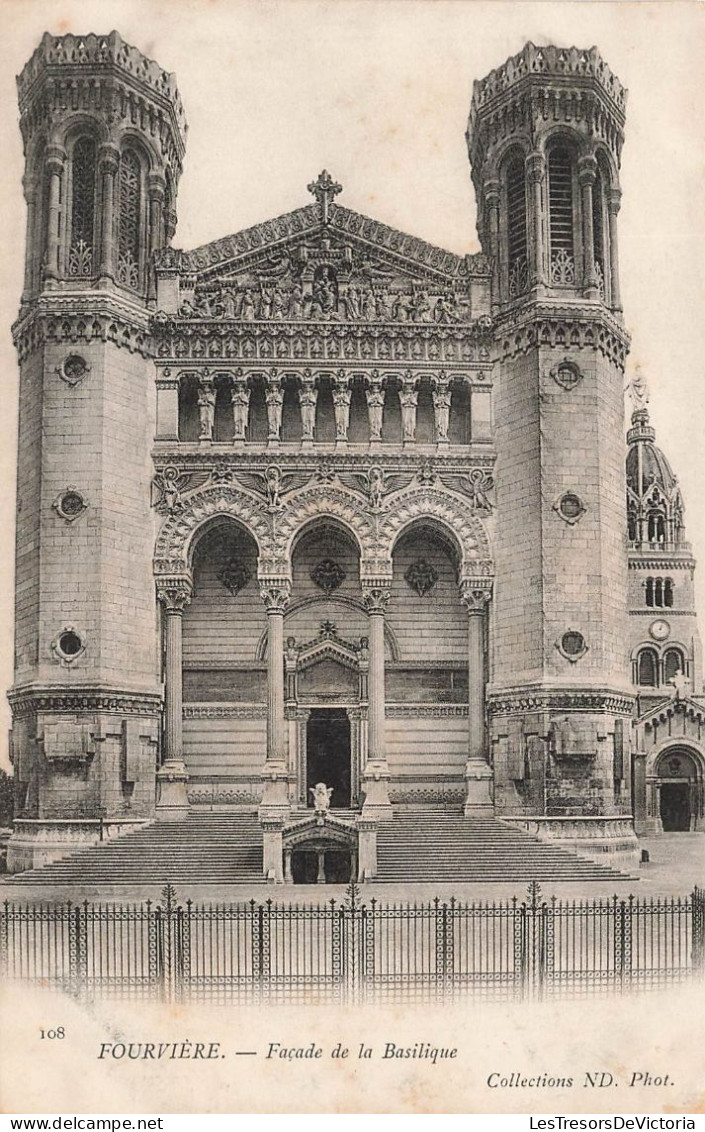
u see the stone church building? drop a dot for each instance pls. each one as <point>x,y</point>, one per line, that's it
<point>325,528</point>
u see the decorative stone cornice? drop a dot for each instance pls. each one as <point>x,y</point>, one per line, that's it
<point>548,324</point>
<point>80,698</point>
<point>225,711</point>
<point>521,701</point>
<point>74,319</point>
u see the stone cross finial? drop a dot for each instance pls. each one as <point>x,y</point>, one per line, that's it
<point>680,684</point>
<point>325,190</point>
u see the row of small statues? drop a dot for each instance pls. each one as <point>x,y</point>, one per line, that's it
<point>355,304</point>
<point>308,395</point>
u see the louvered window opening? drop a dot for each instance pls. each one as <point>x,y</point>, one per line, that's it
<point>560,205</point>
<point>516,229</point>
<point>81,250</point>
<point>129,222</point>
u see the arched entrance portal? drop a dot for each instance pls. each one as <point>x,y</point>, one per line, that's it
<point>328,754</point>
<point>680,791</point>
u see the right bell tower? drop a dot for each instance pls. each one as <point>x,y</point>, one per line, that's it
<point>545,136</point>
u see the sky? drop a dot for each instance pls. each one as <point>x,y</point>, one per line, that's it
<point>378,92</point>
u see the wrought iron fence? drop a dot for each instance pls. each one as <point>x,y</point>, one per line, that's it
<point>355,950</point>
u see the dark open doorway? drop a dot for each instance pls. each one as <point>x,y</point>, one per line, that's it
<point>328,754</point>
<point>675,807</point>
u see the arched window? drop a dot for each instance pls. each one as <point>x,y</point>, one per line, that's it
<point>560,213</point>
<point>656,527</point>
<point>130,209</point>
<point>650,592</point>
<point>81,258</point>
<point>631,522</point>
<point>673,663</point>
<point>647,669</point>
<point>668,593</point>
<point>516,228</point>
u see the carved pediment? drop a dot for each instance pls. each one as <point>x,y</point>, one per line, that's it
<point>302,267</point>
<point>689,708</point>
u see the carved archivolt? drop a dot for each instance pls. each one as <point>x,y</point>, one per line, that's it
<point>276,532</point>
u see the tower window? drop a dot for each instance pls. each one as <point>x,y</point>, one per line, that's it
<point>647,669</point>
<point>656,527</point>
<point>673,663</point>
<point>560,209</point>
<point>668,593</point>
<point>516,228</point>
<point>81,249</point>
<point>598,233</point>
<point>130,204</point>
<point>659,593</point>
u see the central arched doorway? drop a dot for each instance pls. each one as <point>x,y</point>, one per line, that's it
<point>680,790</point>
<point>328,754</point>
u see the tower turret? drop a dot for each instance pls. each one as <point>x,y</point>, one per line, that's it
<point>545,136</point>
<point>103,131</point>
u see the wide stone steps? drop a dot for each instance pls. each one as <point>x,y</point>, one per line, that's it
<point>433,846</point>
<point>438,846</point>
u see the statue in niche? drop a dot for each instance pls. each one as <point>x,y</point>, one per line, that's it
<point>341,407</point>
<point>376,487</point>
<point>375,410</point>
<point>277,303</point>
<point>206,411</point>
<point>273,483</point>
<point>247,309</point>
<point>240,399</point>
<point>409,399</point>
<point>441,412</point>
<point>275,399</point>
<point>265,302</point>
<point>325,293</point>
<point>422,307</point>
<point>229,304</point>
<point>308,395</point>
<point>322,795</point>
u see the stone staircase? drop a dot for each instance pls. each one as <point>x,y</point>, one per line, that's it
<point>203,849</point>
<point>419,846</point>
<point>439,846</point>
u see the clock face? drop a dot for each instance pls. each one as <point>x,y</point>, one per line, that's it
<point>659,630</point>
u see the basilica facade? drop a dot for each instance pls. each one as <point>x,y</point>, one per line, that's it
<point>325,523</point>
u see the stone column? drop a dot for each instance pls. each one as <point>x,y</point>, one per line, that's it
<point>639,787</point>
<point>288,875</point>
<point>376,773</point>
<point>308,396</point>
<point>172,802</point>
<point>275,400</point>
<point>32,237</point>
<point>275,796</point>
<point>108,163</point>
<point>491,190</point>
<point>587,174</point>
<point>342,395</point>
<point>167,405</point>
<point>475,595</point>
<point>155,195</point>
<point>613,203</point>
<point>408,397</point>
<point>321,874</point>
<point>535,176</point>
<point>55,165</point>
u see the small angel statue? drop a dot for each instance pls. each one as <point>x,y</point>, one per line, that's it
<point>321,797</point>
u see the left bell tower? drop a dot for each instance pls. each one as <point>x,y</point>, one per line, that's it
<point>103,131</point>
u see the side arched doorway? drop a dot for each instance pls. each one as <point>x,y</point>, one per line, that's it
<point>679,782</point>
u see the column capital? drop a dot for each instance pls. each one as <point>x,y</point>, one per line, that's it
<point>55,158</point>
<point>30,187</point>
<point>492,192</point>
<point>475,594</point>
<point>156,186</point>
<point>108,158</point>
<point>174,593</point>
<point>535,167</point>
<point>375,597</point>
<point>614,200</point>
<point>275,594</point>
<point>587,169</point>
